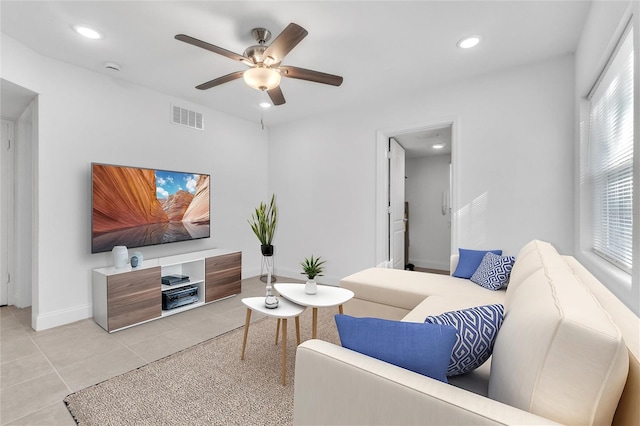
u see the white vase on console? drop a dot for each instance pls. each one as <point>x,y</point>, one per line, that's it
<point>120,256</point>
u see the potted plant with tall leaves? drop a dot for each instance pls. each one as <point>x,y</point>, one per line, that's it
<point>263,223</point>
<point>312,268</point>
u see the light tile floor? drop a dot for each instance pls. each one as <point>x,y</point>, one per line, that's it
<point>39,369</point>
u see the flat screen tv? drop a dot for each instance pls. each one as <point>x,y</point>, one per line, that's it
<point>137,207</point>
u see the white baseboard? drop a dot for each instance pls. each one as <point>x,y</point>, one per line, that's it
<point>60,317</point>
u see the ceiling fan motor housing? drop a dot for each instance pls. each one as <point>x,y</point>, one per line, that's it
<point>262,35</point>
<point>256,53</point>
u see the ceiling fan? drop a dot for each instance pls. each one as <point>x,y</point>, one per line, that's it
<point>264,61</point>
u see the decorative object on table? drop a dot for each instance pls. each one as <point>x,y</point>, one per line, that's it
<point>270,301</point>
<point>136,259</point>
<point>120,256</point>
<point>263,224</point>
<point>312,268</point>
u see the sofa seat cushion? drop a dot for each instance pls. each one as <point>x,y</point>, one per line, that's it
<point>436,305</point>
<point>558,353</point>
<point>476,381</point>
<point>407,289</point>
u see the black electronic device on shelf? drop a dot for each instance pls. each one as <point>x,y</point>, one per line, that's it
<point>174,279</point>
<point>177,297</point>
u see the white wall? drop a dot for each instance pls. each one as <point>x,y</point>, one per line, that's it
<point>512,177</point>
<point>429,229</point>
<point>512,174</point>
<point>87,117</point>
<point>603,28</point>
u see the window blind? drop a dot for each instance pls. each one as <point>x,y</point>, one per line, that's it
<point>611,159</point>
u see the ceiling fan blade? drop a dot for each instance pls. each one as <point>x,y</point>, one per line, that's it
<point>215,49</point>
<point>286,40</point>
<point>276,96</point>
<point>220,80</point>
<point>310,75</point>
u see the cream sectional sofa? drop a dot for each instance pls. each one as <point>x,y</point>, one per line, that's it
<point>567,352</point>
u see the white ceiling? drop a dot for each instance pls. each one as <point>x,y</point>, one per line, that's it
<point>421,143</point>
<point>381,48</point>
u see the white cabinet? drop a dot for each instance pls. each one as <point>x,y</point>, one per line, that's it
<point>128,296</point>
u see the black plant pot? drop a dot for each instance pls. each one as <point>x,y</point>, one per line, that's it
<point>267,249</point>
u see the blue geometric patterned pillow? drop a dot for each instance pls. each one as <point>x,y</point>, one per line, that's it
<point>477,330</point>
<point>493,272</point>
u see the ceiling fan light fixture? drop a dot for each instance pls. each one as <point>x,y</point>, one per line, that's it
<point>261,78</point>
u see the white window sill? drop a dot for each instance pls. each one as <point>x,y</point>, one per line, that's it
<point>614,278</point>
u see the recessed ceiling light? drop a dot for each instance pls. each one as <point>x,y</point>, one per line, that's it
<point>265,105</point>
<point>469,42</point>
<point>87,32</point>
<point>437,146</point>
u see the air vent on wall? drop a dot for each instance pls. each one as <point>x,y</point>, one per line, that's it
<point>187,117</point>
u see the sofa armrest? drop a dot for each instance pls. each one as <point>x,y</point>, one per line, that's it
<point>337,386</point>
<point>453,263</point>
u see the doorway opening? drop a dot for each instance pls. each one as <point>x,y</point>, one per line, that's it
<point>17,197</point>
<point>415,197</point>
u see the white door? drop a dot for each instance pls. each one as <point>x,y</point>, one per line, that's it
<point>6,212</point>
<point>397,226</point>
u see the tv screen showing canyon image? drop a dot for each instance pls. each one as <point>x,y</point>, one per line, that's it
<point>137,207</point>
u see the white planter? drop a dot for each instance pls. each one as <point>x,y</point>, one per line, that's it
<point>120,256</point>
<point>311,287</point>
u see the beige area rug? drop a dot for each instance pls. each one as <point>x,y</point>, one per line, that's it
<point>207,384</point>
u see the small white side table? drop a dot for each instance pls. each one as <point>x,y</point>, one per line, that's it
<point>327,296</point>
<point>285,310</point>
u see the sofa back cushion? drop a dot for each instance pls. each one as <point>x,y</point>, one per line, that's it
<point>530,259</point>
<point>558,354</point>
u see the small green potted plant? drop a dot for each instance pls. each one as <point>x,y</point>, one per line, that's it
<point>312,268</point>
<point>263,223</point>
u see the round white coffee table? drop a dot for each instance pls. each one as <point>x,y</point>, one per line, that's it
<point>285,310</point>
<point>325,297</point>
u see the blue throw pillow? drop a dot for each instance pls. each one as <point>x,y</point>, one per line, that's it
<point>422,348</point>
<point>493,272</point>
<point>477,330</point>
<point>469,261</point>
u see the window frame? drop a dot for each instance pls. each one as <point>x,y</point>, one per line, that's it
<point>614,244</point>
